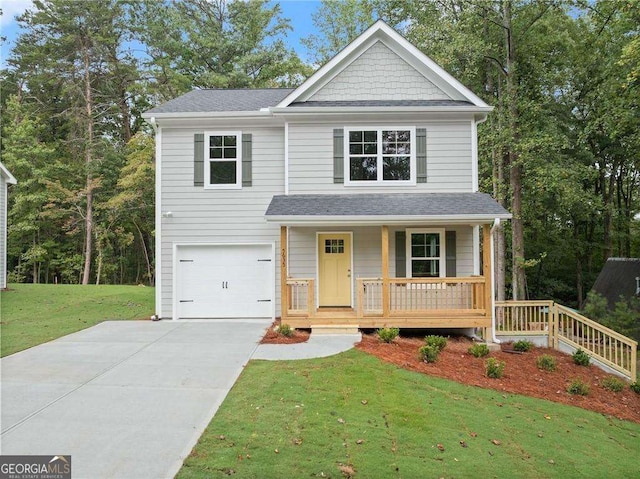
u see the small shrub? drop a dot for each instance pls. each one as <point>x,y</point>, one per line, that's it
<point>581,358</point>
<point>285,330</point>
<point>387,335</point>
<point>613,384</point>
<point>546,362</point>
<point>479,350</point>
<point>635,387</point>
<point>523,345</point>
<point>494,368</point>
<point>578,386</point>
<point>428,354</point>
<point>438,342</point>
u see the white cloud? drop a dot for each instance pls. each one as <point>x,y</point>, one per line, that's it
<point>11,8</point>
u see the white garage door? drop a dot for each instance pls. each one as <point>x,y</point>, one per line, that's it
<point>225,281</point>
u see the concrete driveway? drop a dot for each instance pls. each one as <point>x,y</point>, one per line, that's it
<point>127,399</point>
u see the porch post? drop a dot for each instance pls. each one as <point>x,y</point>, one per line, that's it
<point>385,271</point>
<point>284,300</point>
<point>486,272</point>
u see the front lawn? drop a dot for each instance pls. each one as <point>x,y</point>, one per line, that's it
<point>32,314</point>
<point>352,415</point>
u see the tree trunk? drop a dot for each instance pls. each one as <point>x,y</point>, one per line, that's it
<point>146,254</point>
<point>515,168</point>
<point>88,246</point>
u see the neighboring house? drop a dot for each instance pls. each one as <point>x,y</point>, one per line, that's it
<point>6,179</point>
<point>350,200</point>
<point>619,277</point>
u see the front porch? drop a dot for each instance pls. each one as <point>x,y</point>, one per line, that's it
<point>386,301</point>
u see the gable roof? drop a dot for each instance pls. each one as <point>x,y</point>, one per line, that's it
<point>220,100</point>
<point>618,278</point>
<point>9,177</point>
<point>381,32</point>
<point>388,207</point>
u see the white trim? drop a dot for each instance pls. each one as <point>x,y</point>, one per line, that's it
<point>368,110</point>
<point>272,276</point>
<point>10,179</point>
<point>474,156</point>
<point>382,32</point>
<point>208,160</point>
<point>373,220</point>
<point>380,181</point>
<point>318,233</point>
<point>158,233</point>
<point>475,242</point>
<point>207,114</point>
<point>443,243</point>
<point>286,158</point>
<point>5,226</point>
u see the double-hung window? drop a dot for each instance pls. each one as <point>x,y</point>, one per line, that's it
<point>377,156</point>
<point>223,159</point>
<point>426,253</point>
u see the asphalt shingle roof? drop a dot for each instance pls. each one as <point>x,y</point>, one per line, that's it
<point>392,204</point>
<point>202,101</point>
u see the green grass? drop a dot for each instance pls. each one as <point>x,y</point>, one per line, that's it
<point>312,412</point>
<point>32,314</point>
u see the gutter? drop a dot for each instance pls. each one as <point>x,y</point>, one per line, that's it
<point>496,224</point>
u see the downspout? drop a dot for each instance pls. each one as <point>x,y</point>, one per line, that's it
<point>496,223</point>
<point>158,226</point>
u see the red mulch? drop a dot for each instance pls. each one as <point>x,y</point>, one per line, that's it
<point>273,337</point>
<point>521,374</point>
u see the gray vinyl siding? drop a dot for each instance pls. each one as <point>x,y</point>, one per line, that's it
<point>449,161</point>
<point>217,216</point>
<point>367,255</point>
<point>3,229</point>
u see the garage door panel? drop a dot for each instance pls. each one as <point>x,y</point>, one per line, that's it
<point>225,281</point>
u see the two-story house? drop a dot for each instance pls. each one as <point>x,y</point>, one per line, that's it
<point>350,200</point>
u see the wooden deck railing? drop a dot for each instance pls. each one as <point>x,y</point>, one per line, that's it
<point>422,296</point>
<point>301,297</point>
<point>561,324</point>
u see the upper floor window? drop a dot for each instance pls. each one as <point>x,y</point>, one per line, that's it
<point>223,159</point>
<point>380,155</point>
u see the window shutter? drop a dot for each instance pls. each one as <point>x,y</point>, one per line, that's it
<point>450,242</point>
<point>421,155</point>
<point>401,254</point>
<point>246,159</point>
<point>338,155</point>
<point>198,159</point>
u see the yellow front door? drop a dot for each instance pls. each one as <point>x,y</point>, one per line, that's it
<point>334,269</point>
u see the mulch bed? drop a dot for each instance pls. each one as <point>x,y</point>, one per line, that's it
<point>521,375</point>
<point>272,337</point>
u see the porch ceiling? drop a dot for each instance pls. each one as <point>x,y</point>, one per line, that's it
<point>385,208</point>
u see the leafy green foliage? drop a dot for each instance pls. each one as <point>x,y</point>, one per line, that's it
<point>428,353</point>
<point>581,358</point>
<point>635,387</point>
<point>387,335</point>
<point>438,342</point>
<point>493,368</point>
<point>546,362</point>
<point>623,318</point>
<point>285,330</point>
<point>479,350</point>
<point>523,346</point>
<point>613,383</point>
<point>578,387</point>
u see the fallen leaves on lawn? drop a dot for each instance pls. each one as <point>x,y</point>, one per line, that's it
<point>364,402</point>
<point>440,447</point>
<point>360,441</point>
<point>473,434</point>
<point>297,441</point>
<point>496,442</point>
<point>341,421</point>
<point>222,437</point>
<point>347,470</point>
<point>463,444</point>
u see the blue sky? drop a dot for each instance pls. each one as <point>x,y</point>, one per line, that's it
<point>297,11</point>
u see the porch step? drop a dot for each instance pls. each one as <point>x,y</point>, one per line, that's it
<point>334,329</point>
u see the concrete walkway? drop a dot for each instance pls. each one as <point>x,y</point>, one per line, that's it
<point>127,399</point>
<point>318,346</point>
